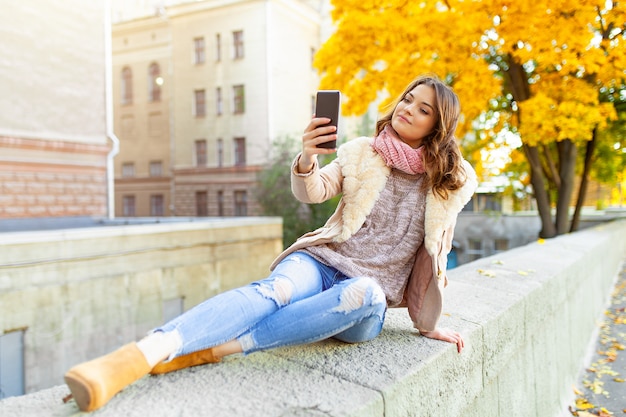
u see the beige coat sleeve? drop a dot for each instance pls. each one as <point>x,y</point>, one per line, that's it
<point>317,186</point>
<point>424,291</point>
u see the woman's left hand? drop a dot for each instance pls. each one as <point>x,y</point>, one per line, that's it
<point>446,335</point>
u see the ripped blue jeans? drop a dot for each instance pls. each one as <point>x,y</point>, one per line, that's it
<point>302,301</point>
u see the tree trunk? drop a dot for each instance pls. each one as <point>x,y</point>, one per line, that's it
<point>567,169</point>
<point>584,180</point>
<point>551,171</point>
<point>541,193</point>
<point>516,81</point>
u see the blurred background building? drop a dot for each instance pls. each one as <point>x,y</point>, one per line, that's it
<point>201,89</point>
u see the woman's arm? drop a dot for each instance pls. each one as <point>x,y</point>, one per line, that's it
<point>309,183</point>
<point>313,136</point>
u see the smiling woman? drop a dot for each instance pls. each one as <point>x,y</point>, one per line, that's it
<point>433,102</point>
<point>339,280</point>
<point>414,117</point>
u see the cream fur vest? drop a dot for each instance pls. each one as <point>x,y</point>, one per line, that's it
<point>361,174</point>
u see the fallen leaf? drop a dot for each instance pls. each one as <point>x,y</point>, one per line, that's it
<point>583,404</point>
<point>487,273</point>
<point>596,386</point>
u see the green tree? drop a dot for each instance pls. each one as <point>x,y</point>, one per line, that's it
<point>539,68</point>
<point>276,199</point>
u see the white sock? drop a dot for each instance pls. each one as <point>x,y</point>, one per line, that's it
<point>158,346</point>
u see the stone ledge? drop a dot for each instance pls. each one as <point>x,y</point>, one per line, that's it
<point>527,315</point>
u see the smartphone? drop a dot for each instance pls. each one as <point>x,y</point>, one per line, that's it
<point>327,105</point>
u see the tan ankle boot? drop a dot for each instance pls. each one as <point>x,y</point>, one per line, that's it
<point>95,382</point>
<point>191,359</point>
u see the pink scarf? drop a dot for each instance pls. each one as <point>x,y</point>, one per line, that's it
<point>398,154</point>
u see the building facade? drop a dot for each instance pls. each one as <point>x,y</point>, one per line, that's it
<point>201,90</point>
<point>53,138</point>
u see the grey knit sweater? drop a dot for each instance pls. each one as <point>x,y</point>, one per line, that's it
<point>384,248</point>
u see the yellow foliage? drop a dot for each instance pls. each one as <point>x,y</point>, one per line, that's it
<point>562,108</point>
<point>379,46</point>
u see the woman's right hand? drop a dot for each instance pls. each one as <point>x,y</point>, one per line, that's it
<point>314,135</point>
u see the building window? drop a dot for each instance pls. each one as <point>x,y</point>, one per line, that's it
<point>154,82</point>
<point>199,103</point>
<point>201,204</point>
<point>156,168</point>
<point>201,153</point>
<point>128,169</point>
<point>156,205</point>
<point>238,44</point>
<point>155,124</point>
<point>501,245</point>
<point>128,206</point>
<point>127,86</point>
<point>12,364</point>
<point>218,47</point>
<point>240,151</point>
<point>218,101</point>
<point>474,250</point>
<point>489,202</point>
<point>241,203</point>
<point>220,153</point>
<point>238,99</point>
<point>198,51</point>
<point>220,203</point>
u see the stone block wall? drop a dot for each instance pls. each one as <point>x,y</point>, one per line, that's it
<point>527,316</point>
<point>81,293</point>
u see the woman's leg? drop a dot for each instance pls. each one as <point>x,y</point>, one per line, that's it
<point>352,310</point>
<point>217,321</point>
<point>223,318</point>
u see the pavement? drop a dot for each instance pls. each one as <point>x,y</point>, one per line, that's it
<point>601,387</point>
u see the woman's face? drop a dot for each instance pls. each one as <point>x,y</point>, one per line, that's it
<point>414,117</point>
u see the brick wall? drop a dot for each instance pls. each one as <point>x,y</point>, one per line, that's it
<point>42,178</point>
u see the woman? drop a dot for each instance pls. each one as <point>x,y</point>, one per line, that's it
<point>385,246</point>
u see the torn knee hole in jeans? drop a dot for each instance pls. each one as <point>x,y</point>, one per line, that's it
<point>354,296</point>
<point>280,291</point>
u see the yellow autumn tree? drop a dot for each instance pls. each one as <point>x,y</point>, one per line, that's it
<point>539,68</point>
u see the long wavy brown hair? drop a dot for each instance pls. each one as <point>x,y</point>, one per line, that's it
<point>442,158</point>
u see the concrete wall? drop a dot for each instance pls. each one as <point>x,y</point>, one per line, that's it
<point>80,293</point>
<point>527,316</point>
<point>535,309</point>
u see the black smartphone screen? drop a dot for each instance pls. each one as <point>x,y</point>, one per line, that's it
<point>327,105</point>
